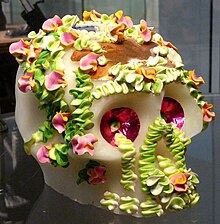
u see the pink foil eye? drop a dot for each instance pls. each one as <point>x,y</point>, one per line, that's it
<point>119,120</point>
<point>172,112</point>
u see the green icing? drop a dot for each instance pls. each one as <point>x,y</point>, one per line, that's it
<point>81,116</point>
<point>111,200</point>
<point>129,204</point>
<point>127,161</point>
<point>150,207</point>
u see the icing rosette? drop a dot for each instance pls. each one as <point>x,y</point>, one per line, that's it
<point>84,144</point>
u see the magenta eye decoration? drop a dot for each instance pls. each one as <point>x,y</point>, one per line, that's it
<point>119,120</point>
<point>172,112</point>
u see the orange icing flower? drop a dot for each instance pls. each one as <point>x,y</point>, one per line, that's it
<point>161,42</point>
<point>126,20</point>
<point>208,115</point>
<point>149,73</point>
<point>92,15</point>
<point>179,181</point>
<point>198,81</point>
<point>119,31</point>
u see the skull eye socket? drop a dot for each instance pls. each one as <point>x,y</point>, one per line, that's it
<point>119,120</point>
<point>172,112</point>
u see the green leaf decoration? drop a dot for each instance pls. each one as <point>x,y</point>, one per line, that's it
<point>39,76</point>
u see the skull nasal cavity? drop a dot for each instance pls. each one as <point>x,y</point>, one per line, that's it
<point>119,120</point>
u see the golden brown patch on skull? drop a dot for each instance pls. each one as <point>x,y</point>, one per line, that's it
<point>115,53</point>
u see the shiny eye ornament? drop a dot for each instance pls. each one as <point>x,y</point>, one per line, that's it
<point>119,120</point>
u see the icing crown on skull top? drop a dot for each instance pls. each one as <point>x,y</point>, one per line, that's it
<point>114,114</point>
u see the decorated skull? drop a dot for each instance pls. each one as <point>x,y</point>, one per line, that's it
<point>107,109</point>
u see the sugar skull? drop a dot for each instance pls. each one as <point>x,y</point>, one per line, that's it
<point>107,109</point>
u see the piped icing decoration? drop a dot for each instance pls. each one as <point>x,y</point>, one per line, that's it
<point>26,82</point>
<point>89,62</point>
<point>92,15</point>
<point>56,154</point>
<point>172,176</point>
<point>68,38</point>
<point>111,200</point>
<point>20,49</point>
<point>43,154</point>
<point>150,207</point>
<point>59,121</point>
<point>52,24</point>
<point>198,81</point>
<point>118,31</point>
<point>208,115</point>
<point>179,181</point>
<point>126,20</point>
<point>127,161</point>
<point>129,204</point>
<point>55,80</point>
<point>94,173</point>
<point>145,32</point>
<point>81,116</point>
<point>84,144</point>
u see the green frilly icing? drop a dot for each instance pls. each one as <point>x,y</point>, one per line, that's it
<point>128,151</point>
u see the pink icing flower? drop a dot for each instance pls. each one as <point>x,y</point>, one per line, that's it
<point>26,82</point>
<point>97,175</point>
<point>52,24</point>
<point>84,144</point>
<point>59,121</point>
<point>55,80</point>
<point>208,115</point>
<point>43,154</point>
<point>19,49</point>
<point>179,181</point>
<point>89,62</point>
<point>68,38</point>
<point>123,19</point>
<point>145,32</point>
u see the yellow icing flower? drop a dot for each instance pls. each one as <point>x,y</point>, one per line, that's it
<point>92,15</point>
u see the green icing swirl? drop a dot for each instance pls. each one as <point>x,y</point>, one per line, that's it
<point>150,207</point>
<point>129,204</point>
<point>127,161</point>
<point>81,116</point>
<point>111,200</point>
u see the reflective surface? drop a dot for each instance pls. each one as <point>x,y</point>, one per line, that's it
<point>24,198</point>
